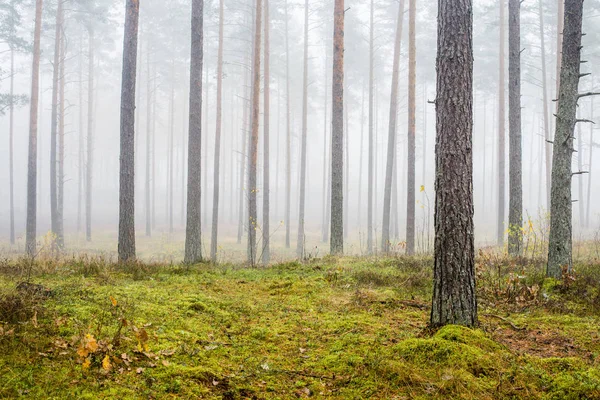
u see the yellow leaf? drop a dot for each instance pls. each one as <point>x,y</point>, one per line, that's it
<point>91,343</point>
<point>139,347</point>
<point>86,363</point>
<point>106,363</point>
<point>422,188</point>
<point>82,352</point>
<point>113,301</point>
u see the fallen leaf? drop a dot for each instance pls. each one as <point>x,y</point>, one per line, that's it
<point>106,365</point>
<point>139,370</point>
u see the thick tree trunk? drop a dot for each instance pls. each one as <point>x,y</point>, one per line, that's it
<point>30,237</point>
<point>253,153</point>
<point>147,206</point>
<point>337,138</point>
<point>266,231</point>
<point>127,153</point>
<point>217,160</point>
<point>193,246</point>
<point>391,150</point>
<point>288,135</point>
<point>454,298</point>
<point>548,145</point>
<point>54,122</point>
<point>370,179</point>
<point>501,134</point>
<point>412,149</point>
<point>300,238</point>
<point>515,210</point>
<point>560,246</point>
<point>90,138</point>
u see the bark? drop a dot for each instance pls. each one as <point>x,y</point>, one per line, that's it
<point>391,150</point>
<point>253,153</point>
<point>560,246</point>
<point>90,138</point>
<point>454,298</point>
<point>300,239</point>
<point>217,160</point>
<point>337,138</point>
<point>411,153</point>
<point>127,154</point>
<point>54,123</point>
<point>501,135</point>
<point>193,247</point>
<point>548,145</point>
<point>515,210</point>
<point>266,247</point>
<point>147,206</point>
<point>288,135</point>
<point>30,236</point>
<point>370,179</point>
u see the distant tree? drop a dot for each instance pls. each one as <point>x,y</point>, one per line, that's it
<point>501,131</point>
<point>337,141</point>
<point>149,119</point>
<point>515,209</point>
<point>412,149</point>
<point>454,298</point>
<point>545,104</point>
<point>288,135</point>
<point>30,242</point>
<point>127,152</point>
<point>266,230</point>
<point>560,246</point>
<point>193,246</point>
<point>371,158</point>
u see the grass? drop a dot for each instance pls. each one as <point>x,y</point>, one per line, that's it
<point>345,328</point>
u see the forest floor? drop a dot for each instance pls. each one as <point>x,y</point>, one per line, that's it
<point>346,328</point>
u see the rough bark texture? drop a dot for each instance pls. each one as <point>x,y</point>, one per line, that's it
<point>515,209</point>
<point>30,243</point>
<point>337,138</point>
<point>371,161</point>
<point>253,147</point>
<point>391,150</point>
<point>217,159</point>
<point>547,145</point>
<point>193,247</point>
<point>54,122</point>
<point>127,154</point>
<point>300,238</point>
<point>454,298</point>
<point>90,138</point>
<point>501,134</point>
<point>412,149</point>
<point>560,246</point>
<point>266,230</point>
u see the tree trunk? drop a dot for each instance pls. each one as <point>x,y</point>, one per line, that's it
<point>590,164</point>
<point>580,176</point>
<point>515,210</point>
<point>253,154</point>
<point>548,145</point>
<point>193,246</point>
<point>370,179</point>
<point>560,245</point>
<point>300,238</point>
<point>245,131</point>
<point>288,135</point>
<point>147,206</point>
<point>54,123</point>
<point>30,237</point>
<point>454,298</point>
<point>360,162</point>
<point>501,135</point>
<point>266,247</point>
<point>60,196</point>
<point>391,150</point>
<point>347,162</point>
<point>337,138</point>
<point>326,210</point>
<point>90,138</point>
<point>171,148</point>
<point>411,154</point>
<point>127,153</point>
<point>80,140</point>
<point>217,160</point>
<point>10,146</point>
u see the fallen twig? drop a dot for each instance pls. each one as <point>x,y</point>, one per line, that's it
<point>515,327</point>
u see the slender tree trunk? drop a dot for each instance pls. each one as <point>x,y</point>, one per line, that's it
<point>153,163</point>
<point>590,164</point>
<point>501,134</point>
<point>288,135</point>
<point>245,132</point>
<point>391,150</point>
<point>266,246</point>
<point>30,241</point>
<point>411,169</point>
<point>147,206</point>
<point>580,176</point>
<point>337,138</point>
<point>515,211</point>
<point>326,211</point>
<point>360,162</point>
<point>347,162</point>
<point>560,246</point>
<point>253,153</point>
<point>171,148</point>
<point>217,160</point>
<point>193,246</point>
<point>300,239</point>
<point>548,145</point>
<point>370,180</point>
<point>10,146</point>
<point>127,154</point>
<point>454,298</point>
<point>90,138</point>
<point>80,139</point>
<point>54,122</point>
<point>60,196</point>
